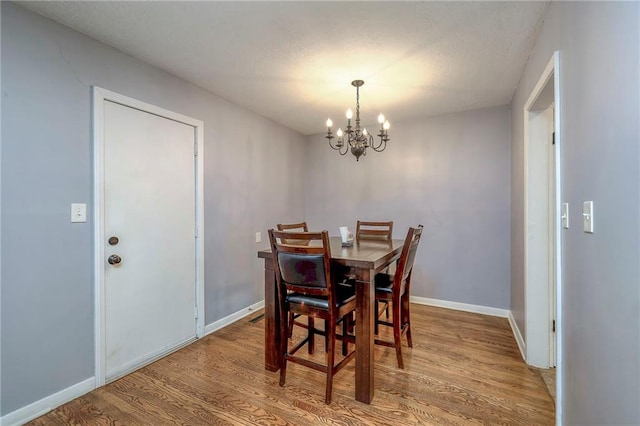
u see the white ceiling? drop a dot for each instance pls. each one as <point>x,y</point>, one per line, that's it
<point>293,62</point>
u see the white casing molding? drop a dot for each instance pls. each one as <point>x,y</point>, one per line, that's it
<point>518,336</point>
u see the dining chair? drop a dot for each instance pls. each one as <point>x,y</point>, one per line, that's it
<point>306,286</point>
<point>293,227</point>
<point>374,230</point>
<point>395,289</point>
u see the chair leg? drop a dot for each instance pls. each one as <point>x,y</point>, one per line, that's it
<point>326,336</point>
<point>406,317</point>
<point>312,335</point>
<point>347,325</point>
<point>284,348</point>
<point>290,324</point>
<point>375,321</point>
<point>397,333</point>
<point>331,338</point>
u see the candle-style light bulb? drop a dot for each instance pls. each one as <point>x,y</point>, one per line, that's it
<point>381,118</point>
<point>364,131</point>
<point>386,125</point>
<point>329,122</point>
<point>349,114</point>
<point>339,132</point>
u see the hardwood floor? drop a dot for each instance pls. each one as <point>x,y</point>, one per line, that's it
<point>464,369</point>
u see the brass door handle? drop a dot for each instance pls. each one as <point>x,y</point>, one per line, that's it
<point>114,259</point>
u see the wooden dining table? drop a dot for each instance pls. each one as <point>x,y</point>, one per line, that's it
<point>363,260</point>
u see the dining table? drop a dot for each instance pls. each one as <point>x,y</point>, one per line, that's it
<point>362,260</point>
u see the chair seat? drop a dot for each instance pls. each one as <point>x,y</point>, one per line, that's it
<point>345,295</point>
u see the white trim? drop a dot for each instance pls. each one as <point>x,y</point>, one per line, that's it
<point>478,309</point>
<point>48,403</point>
<point>557,119</point>
<point>199,128</point>
<point>518,336</point>
<point>537,300</point>
<point>101,95</point>
<point>229,319</point>
<point>98,234</point>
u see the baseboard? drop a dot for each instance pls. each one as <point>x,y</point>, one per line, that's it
<point>518,336</point>
<point>478,309</point>
<point>38,408</point>
<point>229,319</point>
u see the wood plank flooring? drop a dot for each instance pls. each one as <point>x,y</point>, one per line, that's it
<point>464,369</point>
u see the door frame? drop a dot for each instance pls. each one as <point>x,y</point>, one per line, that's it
<point>539,300</point>
<point>100,96</point>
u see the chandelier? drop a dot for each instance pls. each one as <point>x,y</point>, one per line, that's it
<point>356,138</point>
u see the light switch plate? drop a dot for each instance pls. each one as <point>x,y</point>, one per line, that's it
<point>565,215</point>
<point>78,213</point>
<point>258,237</point>
<point>587,216</point>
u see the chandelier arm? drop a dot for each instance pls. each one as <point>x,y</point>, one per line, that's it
<point>375,146</point>
<point>382,145</point>
<point>339,146</point>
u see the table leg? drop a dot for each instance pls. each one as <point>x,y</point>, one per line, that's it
<point>365,301</point>
<point>271,319</point>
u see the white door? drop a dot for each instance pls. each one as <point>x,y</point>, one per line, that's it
<point>150,207</point>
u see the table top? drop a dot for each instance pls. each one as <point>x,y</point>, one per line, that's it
<point>369,254</point>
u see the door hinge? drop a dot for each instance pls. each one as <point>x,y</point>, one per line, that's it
<point>195,148</point>
<point>195,312</point>
<point>553,326</point>
<point>195,231</point>
<point>553,138</point>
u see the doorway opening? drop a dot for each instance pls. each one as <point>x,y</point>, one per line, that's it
<point>542,251</point>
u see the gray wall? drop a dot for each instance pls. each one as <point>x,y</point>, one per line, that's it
<point>598,45</point>
<point>47,275</point>
<point>449,173</point>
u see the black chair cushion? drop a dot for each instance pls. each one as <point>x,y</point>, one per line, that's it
<point>384,283</point>
<point>306,270</point>
<point>344,295</point>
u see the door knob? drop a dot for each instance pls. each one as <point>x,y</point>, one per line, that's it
<point>114,259</point>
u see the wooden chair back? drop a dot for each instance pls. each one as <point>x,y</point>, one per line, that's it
<point>402,276</point>
<point>302,226</point>
<point>293,227</point>
<point>302,266</point>
<point>374,230</point>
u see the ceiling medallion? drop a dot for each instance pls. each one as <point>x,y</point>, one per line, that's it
<point>356,138</point>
